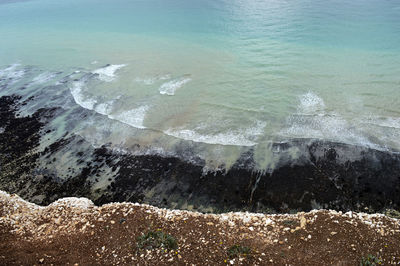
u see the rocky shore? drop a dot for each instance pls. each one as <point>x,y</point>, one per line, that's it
<point>45,170</point>
<point>73,231</point>
<point>323,175</point>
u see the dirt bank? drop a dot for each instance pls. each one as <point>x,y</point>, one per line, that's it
<point>72,231</point>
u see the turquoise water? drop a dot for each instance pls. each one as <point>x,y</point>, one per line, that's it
<point>218,77</point>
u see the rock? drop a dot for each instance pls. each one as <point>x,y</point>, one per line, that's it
<point>268,221</point>
<point>303,222</point>
<point>41,261</point>
<point>333,233</point>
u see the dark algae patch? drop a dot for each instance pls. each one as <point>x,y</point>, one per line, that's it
<point>21,172</point>
<point>18,139</point>
<point>325,175</point>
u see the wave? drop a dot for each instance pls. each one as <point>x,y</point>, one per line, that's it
<point>170,87</point>
<point>107,73</point>
<point>104,108</point>
<point>231,138</point>
<point>312,121</point>
<point>43,78</point>
<point>80,99</point>
<point>12,73</point>
<point>311,103</point>
<point>152,80</point>
<point>133,117</point>
<point>388,122</point>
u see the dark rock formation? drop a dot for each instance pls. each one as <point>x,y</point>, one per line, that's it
<point>326,174</point>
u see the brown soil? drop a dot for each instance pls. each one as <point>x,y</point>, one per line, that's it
<point>75,232</point>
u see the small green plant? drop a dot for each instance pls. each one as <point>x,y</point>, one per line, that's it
<point>156,239</point>
<point>290,222</point>
<point>238,250</point>
<point>392,213</point>
<point>370,260</point>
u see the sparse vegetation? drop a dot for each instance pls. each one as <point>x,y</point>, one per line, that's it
<point>238,250</point>
<point>290,222</point>
<point>370,260</point>
<point>392,213</point>
<point>156,239</point>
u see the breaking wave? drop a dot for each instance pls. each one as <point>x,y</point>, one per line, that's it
<point>232,137</point>
<point>107,73</point>
<point>77,94</point>
<point>170,87</point>
<point>134,117</point>
<point>12,73</point>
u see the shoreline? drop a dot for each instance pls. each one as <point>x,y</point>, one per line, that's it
<point>326,175</point>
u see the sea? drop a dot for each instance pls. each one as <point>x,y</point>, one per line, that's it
<point>208,79</point>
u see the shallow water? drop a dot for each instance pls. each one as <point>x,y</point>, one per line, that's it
<point>208,78</point>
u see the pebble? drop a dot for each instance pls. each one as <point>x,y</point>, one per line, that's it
<point>303,222</point>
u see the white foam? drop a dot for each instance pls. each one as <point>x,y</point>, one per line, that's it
<point>152,80</point>
<point>312,121</point>
<point>76,91</point>
<point>108,73</point>
<point>170,87</point>
<point>231,138</point>
<point>311,103</point>
<point>228,138</point>
<point>104,108</point>
<point>390,122</point>
<point>164,77</point>
<point>134,117</point>
<point>12,72</point>
<point>146,81</point>
<point>43,78</point>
